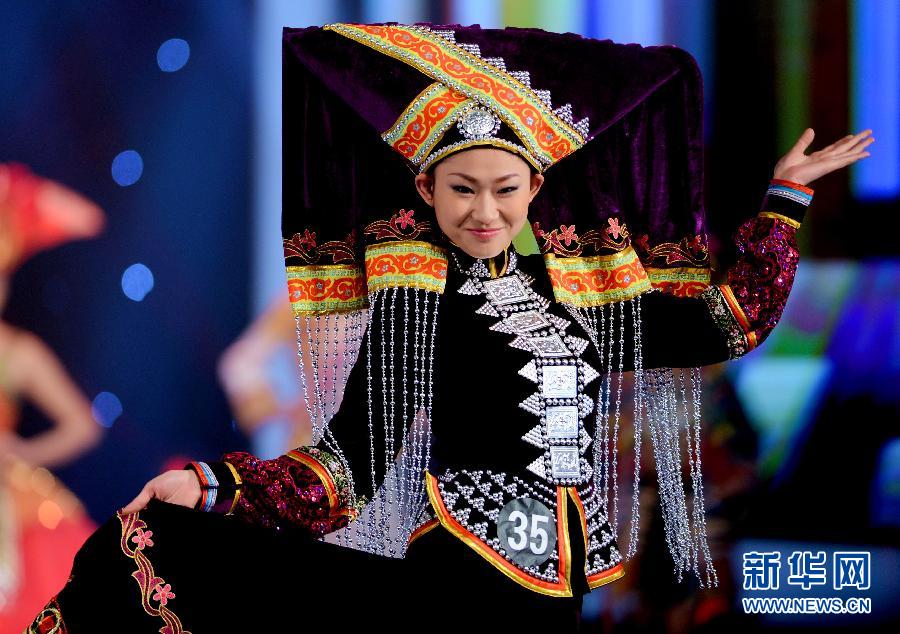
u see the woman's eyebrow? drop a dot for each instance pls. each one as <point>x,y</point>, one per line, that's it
<point>475,180</point>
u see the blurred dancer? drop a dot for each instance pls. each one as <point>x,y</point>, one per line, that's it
<point>42,523</point>
<point>259,375</point>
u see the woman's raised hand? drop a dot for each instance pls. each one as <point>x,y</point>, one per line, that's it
<point>802,168</point>
<point>177,487</point>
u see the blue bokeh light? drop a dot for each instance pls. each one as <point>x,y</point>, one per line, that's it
<point>127,168</point>
<point>137,281</point>
<point>173,55</point>
<point>106,408</point>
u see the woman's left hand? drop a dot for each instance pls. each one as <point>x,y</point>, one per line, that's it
<point>802,168</point>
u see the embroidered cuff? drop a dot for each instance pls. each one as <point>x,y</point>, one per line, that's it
<point>726,313</point>
<point>306,487</point>
<point>333,476</point>
<point>786,201</point>
<point>220,484</point>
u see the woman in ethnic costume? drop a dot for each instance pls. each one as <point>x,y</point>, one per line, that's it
<point>466,472</point>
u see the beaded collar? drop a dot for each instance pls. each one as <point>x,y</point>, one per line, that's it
<point>484,268</point>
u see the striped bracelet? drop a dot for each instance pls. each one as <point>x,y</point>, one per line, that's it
<point>207,477</point>
<point>207,500</point>
<point>790,190</point>
<point>209,485</point>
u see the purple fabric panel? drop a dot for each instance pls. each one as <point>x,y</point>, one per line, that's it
<point>376,86</point>
<point>646,169</point>
<point>337,173</point>
<point>660,182</point>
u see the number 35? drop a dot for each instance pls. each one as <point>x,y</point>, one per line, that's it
<point>527,531</point>
<point>537,532</point>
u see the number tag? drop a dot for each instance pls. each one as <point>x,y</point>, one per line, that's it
<point>527,531</point>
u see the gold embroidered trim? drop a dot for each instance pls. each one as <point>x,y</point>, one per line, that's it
<point>690,251</point>
<point>410,263</point>
<point>598,279</point>
<point>781,217</point>
<point>733,324</point>
<point>153,588</point>
<point>739,315</point>
<point>326,288</point>
<point>604,576</point>
<point>574,495</point>
<point>562,589</point>
<point>425,121</point>
<point>401,226</point>
<point>48,621</point>
<point>304,246</point>
<point>331,472</point>
<point>237,485</point>
<point>424,528</point>
<point>683,281</point>
<point>463,145</point>
<point>610,239</point>
<point>547,135</point>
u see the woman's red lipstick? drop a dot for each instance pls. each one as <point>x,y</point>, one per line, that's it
<point>484,235</point>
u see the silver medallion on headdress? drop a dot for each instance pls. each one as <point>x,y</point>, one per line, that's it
<point>478,123</point>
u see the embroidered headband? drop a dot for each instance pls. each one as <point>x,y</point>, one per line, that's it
<point>488,104</point>
<point>425,133</point>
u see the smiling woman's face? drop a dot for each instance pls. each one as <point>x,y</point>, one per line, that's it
<point>480,198</point>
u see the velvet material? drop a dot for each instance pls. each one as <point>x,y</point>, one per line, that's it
<point>206,572</point>
<point>227,576</point>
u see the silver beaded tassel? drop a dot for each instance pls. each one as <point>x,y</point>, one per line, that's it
<point>331,347</point>
<point>660,398</point>
<point>601,330</point>
<point>667,406</point>
<point>332,343</point>
<point>386,522</point>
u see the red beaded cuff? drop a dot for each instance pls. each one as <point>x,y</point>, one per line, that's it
<point>748,307</point>
<point>305,488</point>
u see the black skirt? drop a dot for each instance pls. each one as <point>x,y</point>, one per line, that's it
<point>170,566</point>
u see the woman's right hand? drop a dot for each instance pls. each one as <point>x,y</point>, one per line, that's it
<point>179,486</point>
